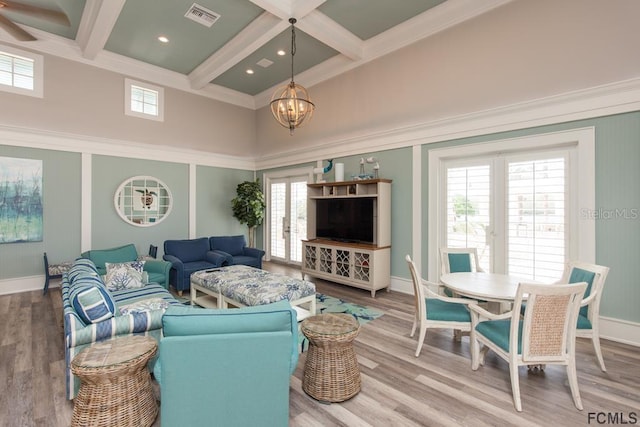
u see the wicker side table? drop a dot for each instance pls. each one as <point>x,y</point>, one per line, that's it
<point>116,386</point>
<point>331,371</point>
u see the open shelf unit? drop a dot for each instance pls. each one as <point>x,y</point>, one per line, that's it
<point>365,266</point>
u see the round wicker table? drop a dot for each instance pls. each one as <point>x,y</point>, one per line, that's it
<point>116,386</point>
<point>331,371</point>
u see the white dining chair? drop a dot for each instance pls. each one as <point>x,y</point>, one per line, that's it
<point>589,315</point>
<point>433,310</point>
<point>546,334</point>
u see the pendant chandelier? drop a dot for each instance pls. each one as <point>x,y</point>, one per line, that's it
<point>290,104</point>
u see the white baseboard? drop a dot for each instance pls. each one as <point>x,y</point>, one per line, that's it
<point>617,330</point>
<point>25,284</point>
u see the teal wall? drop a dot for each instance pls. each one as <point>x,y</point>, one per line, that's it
<point>617,158</point>
<point>215,188</point>
<point>61,204</point>
<point>109,230</point>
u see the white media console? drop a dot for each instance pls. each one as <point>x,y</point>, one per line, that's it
<point>362,265</point>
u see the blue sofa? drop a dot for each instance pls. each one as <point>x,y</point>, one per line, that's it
<point>227,367</point>
<point>233,250</point>
<point>105,314</point>
<point>157,270</point>
<point>186,257</point>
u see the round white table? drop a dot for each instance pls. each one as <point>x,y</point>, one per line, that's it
<point>494,288</point>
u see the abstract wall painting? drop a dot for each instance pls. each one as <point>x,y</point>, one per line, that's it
<point>20,200</point>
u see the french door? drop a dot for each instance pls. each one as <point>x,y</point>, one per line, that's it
<point>513,209</point>
<point>287,211</point>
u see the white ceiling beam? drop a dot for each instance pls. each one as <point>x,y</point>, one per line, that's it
<point>255,35</point>
<point>285,9</point>
<point>321,27</point>
<point>98,19</point>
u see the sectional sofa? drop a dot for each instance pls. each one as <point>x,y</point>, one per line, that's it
<point>94,313</point>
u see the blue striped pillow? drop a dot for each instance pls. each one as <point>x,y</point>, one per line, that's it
<point>91,300</point>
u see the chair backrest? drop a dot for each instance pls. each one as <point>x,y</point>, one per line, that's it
<point>548,326</point>
<point>459,260</point>
<point>232,364</point>
<point>233,245</point>
<point>187,250</point>
<point>416,279</point>
<point>153,251</point>
<point>594,275</point>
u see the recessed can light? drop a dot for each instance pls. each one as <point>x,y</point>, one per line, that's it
<point>163,39</point>
<point>282,52</point>
<point>249,71</point>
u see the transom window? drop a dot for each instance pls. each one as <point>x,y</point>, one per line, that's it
<point>21,72</point>
<point>144,100</point>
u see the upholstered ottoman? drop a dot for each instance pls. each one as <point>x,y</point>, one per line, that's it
<point>240,286</point>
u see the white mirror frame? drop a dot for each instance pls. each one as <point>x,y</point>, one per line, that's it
<point>139,210</point>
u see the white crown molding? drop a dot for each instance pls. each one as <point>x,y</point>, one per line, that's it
<point>614,98</point>
<point>50,140</point>
<point>329,32</point>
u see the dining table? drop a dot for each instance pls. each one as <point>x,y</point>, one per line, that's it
<point>498,290</point>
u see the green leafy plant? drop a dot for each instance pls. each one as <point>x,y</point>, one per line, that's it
<point>248,206</point>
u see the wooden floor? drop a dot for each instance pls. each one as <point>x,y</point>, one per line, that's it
<point>436,389</point>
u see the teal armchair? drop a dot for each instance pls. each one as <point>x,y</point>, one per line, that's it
<point>157,270</point>
<point>227,367</point>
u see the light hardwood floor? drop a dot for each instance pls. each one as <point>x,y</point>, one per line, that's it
<point>436,389</point>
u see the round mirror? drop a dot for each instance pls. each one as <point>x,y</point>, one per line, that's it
<point>143,201</point>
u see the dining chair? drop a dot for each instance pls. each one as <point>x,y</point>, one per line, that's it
<point>459,260</point>
<point>436,311</point>
<point>589,315</point>
<point>546,334</point>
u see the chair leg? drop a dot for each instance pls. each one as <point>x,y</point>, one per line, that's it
<point>596,347</point>
<point>423,332</point>
<point>515,385</point>
<point>573,383</point>
<point>46,284</point>
<point>415,325</point>
<point>475,350</point>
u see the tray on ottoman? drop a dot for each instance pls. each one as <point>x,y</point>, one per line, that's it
<point>240,286</point>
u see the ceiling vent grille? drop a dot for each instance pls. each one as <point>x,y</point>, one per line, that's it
<point>202,15</point>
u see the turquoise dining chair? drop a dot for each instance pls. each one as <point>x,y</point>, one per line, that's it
<point>589,316</point>
<point>459,260</point>
<point>545,334</point>
<point>433,310</point>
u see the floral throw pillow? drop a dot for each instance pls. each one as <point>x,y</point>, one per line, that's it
<point>151,304</point>
<point>124,275</point>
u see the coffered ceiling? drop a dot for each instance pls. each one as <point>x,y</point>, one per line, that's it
<point>332,36</point>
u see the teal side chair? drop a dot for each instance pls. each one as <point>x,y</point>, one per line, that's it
<point>459,260</point>
<point>588,318</point>
<point>433,310</point>
<point>546,334</point>
<point>228,367</point>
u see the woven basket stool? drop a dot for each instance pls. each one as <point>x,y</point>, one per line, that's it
<point>116,384</point>
<point>331,371</point>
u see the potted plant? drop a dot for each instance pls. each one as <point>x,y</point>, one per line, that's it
<point>248,206</point>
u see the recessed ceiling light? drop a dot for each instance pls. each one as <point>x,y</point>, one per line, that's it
<point>163,39</point>
<point>249,71</point>
<point>282,52</point>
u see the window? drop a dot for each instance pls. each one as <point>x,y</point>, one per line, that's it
<point>518,202</point>
<point>21,72</point>
<point>144,100</point>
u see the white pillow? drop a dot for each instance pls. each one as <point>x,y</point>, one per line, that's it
<point>124,275</point>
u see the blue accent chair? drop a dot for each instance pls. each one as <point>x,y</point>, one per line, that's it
<point>186,257</point>
<point>234,250</point>
<point>227,367</point>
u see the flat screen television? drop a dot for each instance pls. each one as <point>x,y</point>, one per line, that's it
<point>346,219</point>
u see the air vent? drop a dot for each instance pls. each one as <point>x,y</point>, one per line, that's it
<point>202,15</point>
<point>264,63</point>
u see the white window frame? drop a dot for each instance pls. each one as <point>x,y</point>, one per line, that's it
<point>581,173</point>
<point>128,84</point>
<point>38,73</point>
